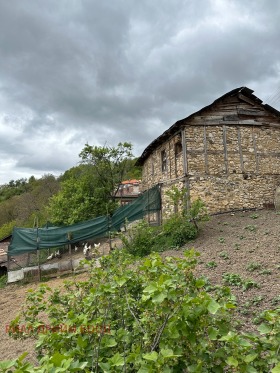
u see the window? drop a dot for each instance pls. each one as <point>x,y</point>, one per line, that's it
<point>152,168</point>
<point>178,149</point>
<point>163,161</point>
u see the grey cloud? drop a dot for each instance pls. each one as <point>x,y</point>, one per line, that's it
<point>97,72</point>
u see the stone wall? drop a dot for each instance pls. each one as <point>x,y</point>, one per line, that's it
<point>231,158</point>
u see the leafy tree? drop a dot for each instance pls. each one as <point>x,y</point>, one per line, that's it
<point>111,164</point>
<point>87,191</point>
<point>80,197</point>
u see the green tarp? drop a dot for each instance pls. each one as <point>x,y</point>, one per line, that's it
<point>31,239</point>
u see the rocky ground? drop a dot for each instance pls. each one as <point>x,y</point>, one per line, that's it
<point>241,248</point>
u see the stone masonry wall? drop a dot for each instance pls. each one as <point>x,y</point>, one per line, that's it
<point>232,158</point>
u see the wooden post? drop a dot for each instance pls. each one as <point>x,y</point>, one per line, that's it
<point>255,150</point>
<point>240,149</point>
<point>39,269</point>
<point>205,151</point>
<point>8,262</point>
<point>184,149</point>
<point>185,167</point>
<point>225,148</point>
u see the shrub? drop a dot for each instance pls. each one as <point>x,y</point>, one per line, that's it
<point>179,230</point>
<point>161,318</point>
<point>140,239</point>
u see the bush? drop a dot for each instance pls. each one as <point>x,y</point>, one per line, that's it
<point>140,239</point>
<point>143,239</point>
<point>156,317</point>
<point>179,230</point>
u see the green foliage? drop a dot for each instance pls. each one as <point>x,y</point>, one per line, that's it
<point>251,228</point>
<point>178,229</point>
<point>224,255</point>
<point>251,267</point>
<point>211,264</point>
<point>180,199</point>
<point>80,198</point>
<point>234,279</point>
<point>181,227</point>
<point>6,229</point>
<point>265,272</point>
<point>141,239</point>
<point>13,188</point>
<point>254,216</point>
<point>88,191</point>
<point>111,164</point>
<point>28,202</point>
<point>161,318</point>
<point>3,281</point>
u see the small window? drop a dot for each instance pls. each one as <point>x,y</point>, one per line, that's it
<point>152,168</point>
<point>163,161</point>
<point>178,149</point>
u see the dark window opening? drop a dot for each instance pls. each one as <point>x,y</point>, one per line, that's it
<point>178,149</point>
<point>163,161</point>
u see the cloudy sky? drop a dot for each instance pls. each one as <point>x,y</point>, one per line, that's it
<point>85,71</point>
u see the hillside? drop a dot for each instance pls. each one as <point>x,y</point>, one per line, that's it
<point>244,244</point>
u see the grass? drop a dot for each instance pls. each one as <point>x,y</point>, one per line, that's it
<point>211,264</point>
<point>251,267</point>
<point>234,279</point>
<point>224,255</point>
<point>3,281</point>
<point>251,228</point>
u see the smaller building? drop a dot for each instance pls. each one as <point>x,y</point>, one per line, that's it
<point>128,191</point>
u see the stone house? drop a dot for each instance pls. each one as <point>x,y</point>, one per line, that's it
<point>227,153</point>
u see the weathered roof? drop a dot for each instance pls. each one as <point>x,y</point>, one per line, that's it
<point>247,92</point>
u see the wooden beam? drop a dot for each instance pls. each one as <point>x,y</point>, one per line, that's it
<point>184,149</point>
<point>205,150</point>
<point>240,122</point>
<point>240,149</point>
<point>246,99</point>
<point>231,117</point>
<point>225,148</point>
<point>255,150</point>
<point>251,112</point>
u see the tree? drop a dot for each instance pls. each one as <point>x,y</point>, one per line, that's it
<point>88,191</point>
<point>111,164</point>
<point>80,197</point>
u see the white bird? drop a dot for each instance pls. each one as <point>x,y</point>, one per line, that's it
<point>85,250</point>
<point>57,254</point>
<point>76,248</point>
<point>50,257</point>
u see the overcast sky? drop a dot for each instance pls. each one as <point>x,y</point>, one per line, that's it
<point>102,72</point>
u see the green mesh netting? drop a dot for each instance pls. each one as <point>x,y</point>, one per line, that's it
<point>31,239</point>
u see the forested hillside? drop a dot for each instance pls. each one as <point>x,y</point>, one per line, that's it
<point>82,192</point>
